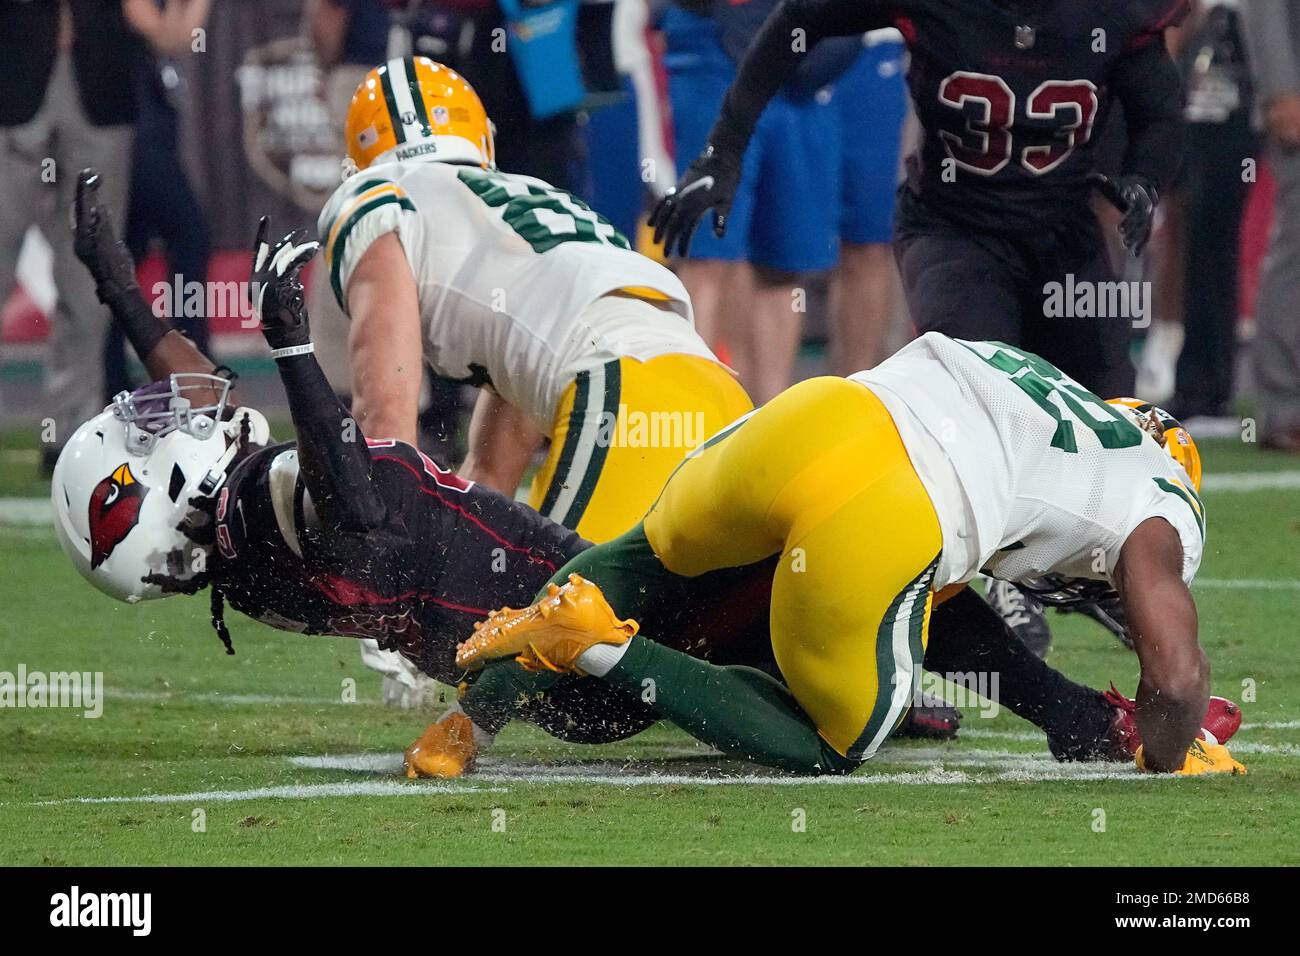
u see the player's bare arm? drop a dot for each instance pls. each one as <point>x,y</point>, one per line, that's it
<point>387,354</point>
<point>502,440</point>
<point>1175,682</point>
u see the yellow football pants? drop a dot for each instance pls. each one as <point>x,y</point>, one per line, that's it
<point>820,476</point>
<point>619,432</point>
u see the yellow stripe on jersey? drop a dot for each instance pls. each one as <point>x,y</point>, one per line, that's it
<point>1189,497</point>
<point>644,292</point>
<point>374,193</point>
<point>381,188</point>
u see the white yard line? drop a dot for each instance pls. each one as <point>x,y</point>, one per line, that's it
<point>929,766</point>
<point>26,512</point>
<point>115,693</point>
<point>1273,725</point>
<point>1251,481</point>
<point>1239,747</point>
<point>1247,584</point>
<point>360,788</point>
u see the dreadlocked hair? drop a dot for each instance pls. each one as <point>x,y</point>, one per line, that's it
<point>200,526</point>
<point>219,618</point>
<point>245,433</point>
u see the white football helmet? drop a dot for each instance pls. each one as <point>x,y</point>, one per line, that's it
<point>123,483</point>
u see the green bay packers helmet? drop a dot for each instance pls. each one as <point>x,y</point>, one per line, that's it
<point>412,106</point>
<point>1168,432</point>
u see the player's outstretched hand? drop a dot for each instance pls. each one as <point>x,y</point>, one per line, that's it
<point>279,302</point>
<point>96,243</point>
<point>1136,198</point>
<point>709,183</point>
<point>1204,757</point>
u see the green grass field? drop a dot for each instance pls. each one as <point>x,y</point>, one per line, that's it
<point>186,728</point>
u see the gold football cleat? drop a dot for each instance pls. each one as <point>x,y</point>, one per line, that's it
<point>446,749</point>
<point>1204,757</point>
<point>551,634</point>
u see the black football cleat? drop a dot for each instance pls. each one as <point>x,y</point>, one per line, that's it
<point>932,719</point>
<point>1109,613</point>
<point>1024,615</point>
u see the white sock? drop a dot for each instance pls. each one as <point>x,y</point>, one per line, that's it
<point>599,659</point>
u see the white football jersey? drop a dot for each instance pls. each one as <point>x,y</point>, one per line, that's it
<point>506,267</point>
<point>1029,472</point>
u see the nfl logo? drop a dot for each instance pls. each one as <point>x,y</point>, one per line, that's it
<point>367,137</point>
<point>1025,38</point>
<point>440,115</point>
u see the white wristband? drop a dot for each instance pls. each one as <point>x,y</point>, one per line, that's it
<point>293,350</point>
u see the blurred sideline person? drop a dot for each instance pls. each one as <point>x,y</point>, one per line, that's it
<point>872,102</point>
<point>67,100</point>
<point>163,204</point>
<point>1212,194</point>
<point>509,284</point>
<point>349,36</point>
<point>1273,41</point>
<point>628,136</point>
<point>783,223</point>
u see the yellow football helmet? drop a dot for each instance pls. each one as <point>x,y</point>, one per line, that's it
<point>416,107</point>
<point>1167,431</point>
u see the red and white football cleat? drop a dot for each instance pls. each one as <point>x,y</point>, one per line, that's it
<point>1222,720</point>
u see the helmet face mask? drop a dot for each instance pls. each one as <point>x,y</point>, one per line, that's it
<point>413,107</point>
<point>157,410</point>
<point>125,483</point>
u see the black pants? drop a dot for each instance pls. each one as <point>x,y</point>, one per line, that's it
<point>1214,196</point>
<point>982,286</point>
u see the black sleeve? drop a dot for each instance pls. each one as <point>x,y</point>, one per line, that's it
<point>785,38</point>
<point>333,458</point>
<point>131,314</point>
<point>1148,83</point>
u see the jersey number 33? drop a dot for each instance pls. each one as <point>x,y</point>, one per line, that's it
<point>987,146</point>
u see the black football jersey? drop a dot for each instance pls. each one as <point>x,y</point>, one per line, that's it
<point>1011,97</point>
<point>449,553</point>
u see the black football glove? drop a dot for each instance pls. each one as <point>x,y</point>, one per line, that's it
<point>96,243</point>
<point>1136,197</point>
<point>710,182</point>
<point>279,302</point>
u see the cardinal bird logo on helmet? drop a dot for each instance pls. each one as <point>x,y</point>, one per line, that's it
<point>114,511</point>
